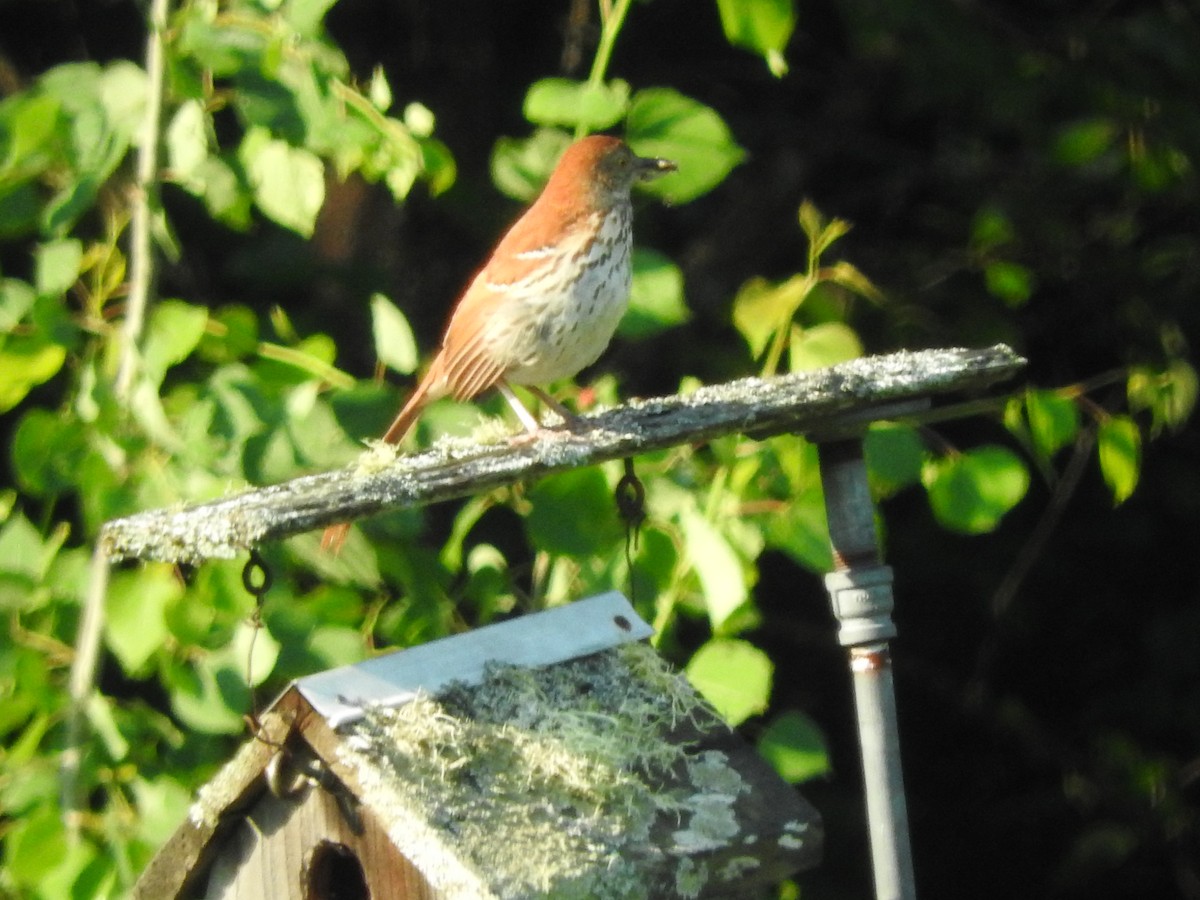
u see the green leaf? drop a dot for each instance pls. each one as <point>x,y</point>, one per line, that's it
<point>1084,142</point>
<point>419,119</point>
<point>394,342</point>
<point>991,228</point>
<point>306,15</point>
<point>822,345</point>
<point>20,209</point>
<point>971,492</point>
<point>1015,419</point>
<point>135,626</point>
<point>573,513</point>
<point>379,92</point>
<point>210,693</point>
<point>801,530</point>
<point>147,408</point>
<point>656,301</point>
<point>763,26</point>
<point>1053,421</point>
<point>208,699</point>
<point>664,123</point>
<point>1159,168</point>
<point>1119,445</point>
<point>1170,395</point>
<point>734,676</point>
<point>16,300</point>
<point>520,167</point>
<point>253,653</point>
<point>1009,281</point>
<point>232,334</point>
<point>562,101</point>
<point>22,550</point>
<point>123,91</point>
<point>29,125</point>
<point>71,202</point>
<point>437,166</point>
<point>795,746</point>
<point>820,232</point>
<point>35,847</point>
<point>104,726</point>
<point>761,308</point>
<point>290,103</point>
<point>895,455</point>
<point>56,266</point>
<point>162,802</point>
<point>102,109</point>
<point>187,141</point>
<point>23,750</point>
<point>848,276</point>
<point>47,451</point>
<point>226,197</point>
<point>174,331</point>
<point>288,182</point>
<point>225,50</point>
<point>26,361</point>
<point>716,564</point>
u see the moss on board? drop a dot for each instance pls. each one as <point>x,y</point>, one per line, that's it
<point>552,780</point>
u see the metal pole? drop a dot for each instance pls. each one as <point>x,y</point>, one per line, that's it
<point>860,590</point>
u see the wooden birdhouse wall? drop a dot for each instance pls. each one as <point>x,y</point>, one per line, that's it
<point>304,848</point>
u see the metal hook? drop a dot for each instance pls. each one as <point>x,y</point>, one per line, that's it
<point>631,500</point>
<point>631,507</point>
<point>256,565</point>
<point>256,579</point>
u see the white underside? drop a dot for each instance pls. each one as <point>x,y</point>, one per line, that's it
<point>566,326</point>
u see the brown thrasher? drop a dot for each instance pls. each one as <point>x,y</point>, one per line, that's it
<point>546,303</point>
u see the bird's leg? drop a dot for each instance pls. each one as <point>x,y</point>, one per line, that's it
<point>572,421</point>
<point>526,417</point>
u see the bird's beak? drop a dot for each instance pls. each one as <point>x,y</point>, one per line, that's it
<point>649,167</point>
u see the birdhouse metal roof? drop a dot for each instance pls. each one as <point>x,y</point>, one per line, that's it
<point>565,632</point>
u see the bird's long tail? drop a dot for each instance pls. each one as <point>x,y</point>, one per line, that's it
<point>335,535</point>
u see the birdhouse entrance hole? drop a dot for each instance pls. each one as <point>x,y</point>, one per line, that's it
<point>334,873</point>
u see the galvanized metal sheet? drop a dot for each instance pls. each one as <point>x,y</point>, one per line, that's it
<point>539,639</point>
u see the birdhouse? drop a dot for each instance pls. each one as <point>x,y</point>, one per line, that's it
<point>554,755</point>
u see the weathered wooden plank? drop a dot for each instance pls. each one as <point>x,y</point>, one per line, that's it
<point>823,400</point>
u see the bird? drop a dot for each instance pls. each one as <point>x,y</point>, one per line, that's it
<point>548,299</point>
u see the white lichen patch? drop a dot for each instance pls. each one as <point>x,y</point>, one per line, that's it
<point>378,456</point>
<point>737,868</point>
<point>691,877</point>
<point>710,772</point>
<point>793,837</point>
<point>204,813</point>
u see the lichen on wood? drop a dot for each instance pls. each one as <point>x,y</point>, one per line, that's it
<point>824,400</point>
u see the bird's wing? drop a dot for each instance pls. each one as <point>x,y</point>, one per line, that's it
<point>527,262</point>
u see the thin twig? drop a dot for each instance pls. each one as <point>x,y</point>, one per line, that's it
<point>1032,550</point>
<point>1035,546</point>
<point>83,679</point>
<point>142,271</point>
<point>142,274</point>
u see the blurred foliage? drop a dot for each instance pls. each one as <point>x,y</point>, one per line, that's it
<point>1014,174</point>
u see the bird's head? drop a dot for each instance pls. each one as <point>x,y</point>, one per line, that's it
<point>608,165</point>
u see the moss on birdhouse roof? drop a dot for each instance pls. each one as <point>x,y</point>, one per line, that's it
<point>556,781</point>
